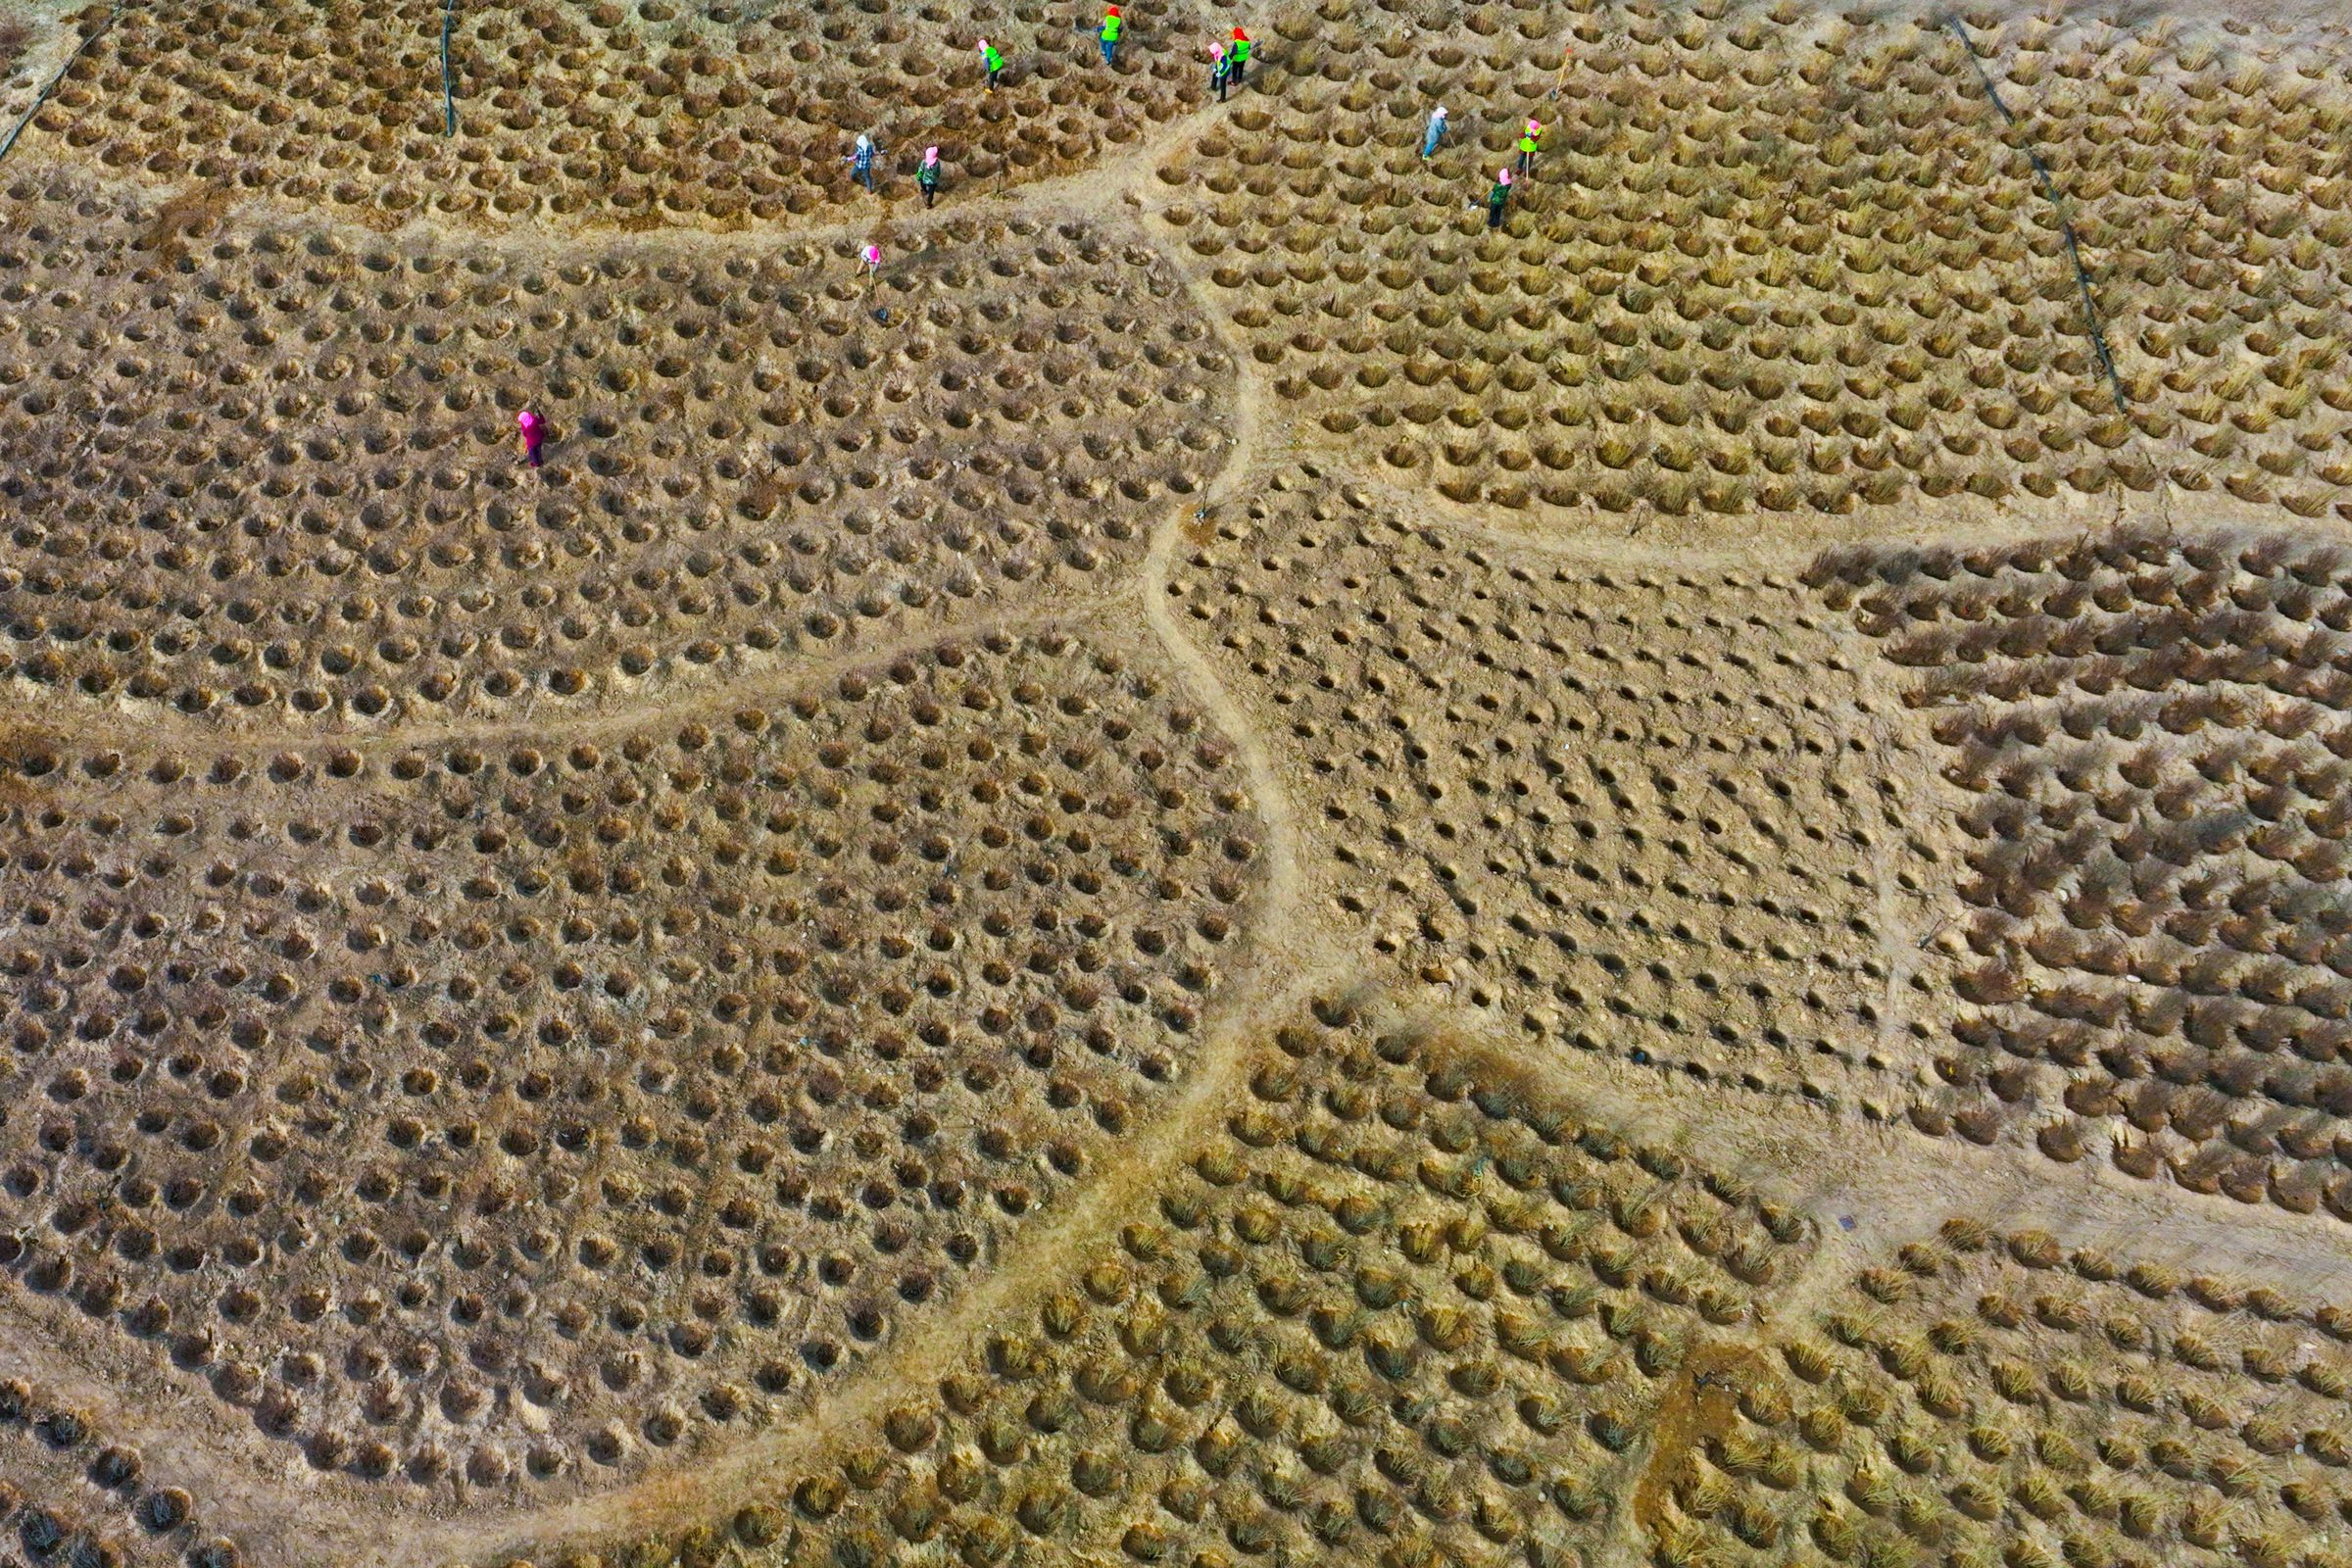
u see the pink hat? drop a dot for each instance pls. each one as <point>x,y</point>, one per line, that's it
<point>528,420</point>
<point>930,155</point>
<point>873,253</point>
<point>1505,173</point>
<point>1534,124</point>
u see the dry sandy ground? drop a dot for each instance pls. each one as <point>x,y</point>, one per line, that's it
<point>1227,868</point>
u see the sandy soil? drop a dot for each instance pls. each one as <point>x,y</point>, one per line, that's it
<point>1224,868</point>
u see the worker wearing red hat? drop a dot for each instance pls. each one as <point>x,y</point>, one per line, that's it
<point>1237,55</point>
<point>1110,35</point>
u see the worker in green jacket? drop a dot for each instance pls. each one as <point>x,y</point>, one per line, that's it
<point>1111,36</point>
<point>1527,145</point>
<point>1237,57</point>
<point>993,61</point>
<point>1498,198</point>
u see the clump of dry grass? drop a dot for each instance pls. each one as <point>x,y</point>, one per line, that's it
<point>16,36</point>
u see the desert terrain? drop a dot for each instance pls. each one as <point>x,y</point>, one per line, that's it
<point>1215,861</point>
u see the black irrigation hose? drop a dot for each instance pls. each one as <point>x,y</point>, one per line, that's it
<point>17,129</point>
<point>449,100</point>
<point>2066,227</point>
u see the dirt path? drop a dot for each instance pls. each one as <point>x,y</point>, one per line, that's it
<point>1250,419</point>
<point>774,679</point>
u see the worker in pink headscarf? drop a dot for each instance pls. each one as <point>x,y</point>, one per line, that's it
<point>873,257</point>
<point>534,431</point>
<point>927,177</point>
